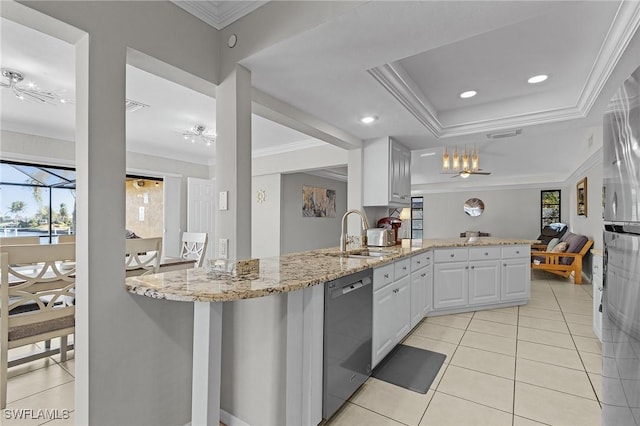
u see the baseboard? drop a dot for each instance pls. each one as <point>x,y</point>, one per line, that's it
<point>227,419</point>
<point>231,420</point>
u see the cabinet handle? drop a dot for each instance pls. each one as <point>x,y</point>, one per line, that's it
<point>466,267</point>
<point>452,255</point>
<point>386,275</point>
<point>418,262</point>
<point>472,267</point>
<point>423,275</point>
<point>404,268</point>
<point>486,254</point>
<point>517,251</point>
<point>504,264</point>
<point>428,258</point>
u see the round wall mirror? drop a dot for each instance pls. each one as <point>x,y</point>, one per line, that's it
<point>473,207</point>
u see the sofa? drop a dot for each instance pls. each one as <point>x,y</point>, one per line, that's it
<point>563,256</point>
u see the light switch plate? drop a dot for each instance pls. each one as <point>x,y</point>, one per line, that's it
<point>223,248</point>
<point>224,195</point>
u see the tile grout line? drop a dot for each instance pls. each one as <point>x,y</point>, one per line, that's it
<point>584,367</point>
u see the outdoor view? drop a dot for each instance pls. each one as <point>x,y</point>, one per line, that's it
<point>32,204</point>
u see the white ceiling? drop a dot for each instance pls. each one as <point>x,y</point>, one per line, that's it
<point>404,62</point>
<point>156,130</point>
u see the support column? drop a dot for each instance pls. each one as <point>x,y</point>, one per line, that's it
<point>354,190</point>
<point>233,162</point>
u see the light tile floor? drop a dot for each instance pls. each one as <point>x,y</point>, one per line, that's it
<point>519,366</point>
<point>530,365</point>
<point>45,384</point>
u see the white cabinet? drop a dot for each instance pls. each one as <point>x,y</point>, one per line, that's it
<point>386,173</point>
<point>484,282</point>
<point>391,307</point>
<point>516,273</point>
<point>480,276</point>
<point>421,287</point>
<point>450,285</point>
<point>597,294</point>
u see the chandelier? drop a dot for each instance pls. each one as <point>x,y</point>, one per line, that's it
<point>463,163</point>
<point>467,161</point>
<point>29,91</point>
<point>199,134</point>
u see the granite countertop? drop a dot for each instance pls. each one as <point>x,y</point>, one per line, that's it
<point>281,274</point>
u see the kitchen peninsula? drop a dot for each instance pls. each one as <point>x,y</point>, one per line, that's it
<point>451,275</point>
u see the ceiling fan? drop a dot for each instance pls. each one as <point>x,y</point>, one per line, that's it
<point>466,173</point>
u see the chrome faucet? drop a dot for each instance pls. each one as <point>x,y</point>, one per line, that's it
<point>343,232</point>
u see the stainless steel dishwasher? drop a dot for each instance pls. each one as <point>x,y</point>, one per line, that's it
<point>348,323</point>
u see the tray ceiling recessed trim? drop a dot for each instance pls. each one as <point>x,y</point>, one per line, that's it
<point>218,14</point>
<point>405,90</point>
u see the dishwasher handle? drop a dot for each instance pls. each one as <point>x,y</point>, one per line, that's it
<point>350,287</point>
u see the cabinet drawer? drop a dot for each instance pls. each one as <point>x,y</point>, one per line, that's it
<point>451,255</point>
<point>484,253</point>
<point>382,276</point>
<point>513,252</point>
<point>402,268</point>
<point>421,260</point>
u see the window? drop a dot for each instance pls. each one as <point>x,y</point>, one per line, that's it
<point>37,200</point>
<point>550,207</point>
<point>416,218</point>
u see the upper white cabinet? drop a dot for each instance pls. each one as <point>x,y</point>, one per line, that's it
<point>386,172</point>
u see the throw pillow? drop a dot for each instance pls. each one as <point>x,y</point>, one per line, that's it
<point>552,243</point>
<point>560,247</point>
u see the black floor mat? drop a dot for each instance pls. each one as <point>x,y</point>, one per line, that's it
<point>410,368</point>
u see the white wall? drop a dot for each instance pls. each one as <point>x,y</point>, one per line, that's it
<point>265,216</point>
<point>306,233</point>
<point>509,213</point>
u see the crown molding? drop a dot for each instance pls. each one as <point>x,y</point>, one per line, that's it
<point>218,14</point>
<point>397,82</point>
<point>622,30</point>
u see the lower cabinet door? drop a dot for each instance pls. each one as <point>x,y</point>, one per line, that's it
<point>516,279</point>
<point>402,308</point>
<point>484,282</point>
<point>384,321</point>
<point>418,296</point>
<point>428,284</point>
<point>450,285</point>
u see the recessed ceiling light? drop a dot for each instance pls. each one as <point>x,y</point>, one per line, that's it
<point>369,119</point>
<point>427,154</point>
<point>537,79</point>
<point>468,94</point>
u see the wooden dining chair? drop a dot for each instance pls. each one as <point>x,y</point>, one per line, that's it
<point>70,238</point>
<point>18,241</point>
<point>194,246</point>
<point>36,302</point>
<point>142,256</point>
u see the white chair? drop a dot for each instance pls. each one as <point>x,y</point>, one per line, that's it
<point>194,246</point>
<point>18,241</point>
<point>142,256</point>
<point>36,302</point>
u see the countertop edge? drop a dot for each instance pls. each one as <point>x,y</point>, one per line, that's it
<point>194,285</point>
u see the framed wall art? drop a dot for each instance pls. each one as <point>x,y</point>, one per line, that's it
<point>581,195</point>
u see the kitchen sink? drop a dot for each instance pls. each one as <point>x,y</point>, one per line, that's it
<point>369,253</point>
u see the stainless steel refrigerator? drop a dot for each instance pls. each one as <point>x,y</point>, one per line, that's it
<point>621,296</point>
